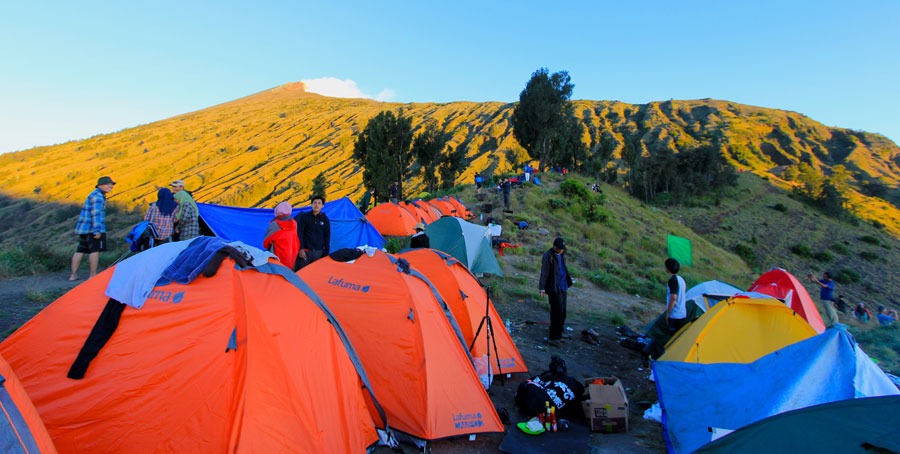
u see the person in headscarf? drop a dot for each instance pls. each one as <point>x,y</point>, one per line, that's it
<point>187,225</point>
<point>281,236</point>
<point>162,215</point>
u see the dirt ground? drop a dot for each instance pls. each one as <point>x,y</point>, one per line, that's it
<point>21,298</point>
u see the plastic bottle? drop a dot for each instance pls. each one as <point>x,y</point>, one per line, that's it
<point>547,416</point>
<point>553,418</point>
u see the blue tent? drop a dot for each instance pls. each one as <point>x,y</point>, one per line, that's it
<point>698,400</point>
<point>349,227</point>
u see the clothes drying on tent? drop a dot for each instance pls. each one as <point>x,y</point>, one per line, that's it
<point>427,385</point>
<point>467,242</point>
<point>828,367</point>
<point>248,359</point>
<point>784,286</point>
<point>470,303</point>
<point>349,227</point>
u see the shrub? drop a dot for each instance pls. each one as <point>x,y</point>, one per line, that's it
<point>823,256</point>
<point>780,207</point>
<point>395,244</point>
<point>840,249</point>
<point>745,253</point>
<point>802,250</point>
<point>847,276</point>
<point>870,239</point>
<point>878,225</point>
<point>868,256</point>
<point>573,189</point>
<point>558,203</point>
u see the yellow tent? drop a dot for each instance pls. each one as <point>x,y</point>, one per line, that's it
<point>738,330</point>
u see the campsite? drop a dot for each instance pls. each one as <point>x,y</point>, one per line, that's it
<point>607,315</point>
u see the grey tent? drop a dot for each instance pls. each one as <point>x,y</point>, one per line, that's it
<point>469,243</point>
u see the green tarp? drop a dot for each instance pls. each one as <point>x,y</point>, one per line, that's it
<point>680,249</point>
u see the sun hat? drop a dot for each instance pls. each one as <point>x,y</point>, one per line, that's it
<point>420,226</point>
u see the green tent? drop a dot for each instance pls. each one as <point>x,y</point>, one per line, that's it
<point>864,425</point>
<point>469,243</point>
<point>680,249</point>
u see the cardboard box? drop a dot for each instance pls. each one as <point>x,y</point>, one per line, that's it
<point>606,406</point>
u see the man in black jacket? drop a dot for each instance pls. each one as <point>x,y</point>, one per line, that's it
<point>555,281</point>
<point>314,231</point>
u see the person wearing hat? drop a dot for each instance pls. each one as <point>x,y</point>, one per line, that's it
<point>420,239</point>
<point>555,281</point>
<point>177,186</point>
<point>314,232</point>
<point>91,228</point>
<point>281,236</point>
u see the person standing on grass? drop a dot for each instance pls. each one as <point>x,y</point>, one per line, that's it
<point>505,186</point>
<point>826,294</point>
<point>555,281</point>
<point>91,228</point>
<point>676,307</point>
<point>314,232</point>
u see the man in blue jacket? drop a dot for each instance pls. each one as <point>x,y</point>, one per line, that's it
<point>91,228</point>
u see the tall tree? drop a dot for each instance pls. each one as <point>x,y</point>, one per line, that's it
<point>383,151</point>
<point>452,163</point>
<point>319,185</point>
<point>427,148</point>
<point>541,111</point>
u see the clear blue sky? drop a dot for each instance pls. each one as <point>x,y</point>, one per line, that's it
<point>71,70</point>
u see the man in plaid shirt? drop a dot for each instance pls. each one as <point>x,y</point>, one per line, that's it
<point>91,228</point>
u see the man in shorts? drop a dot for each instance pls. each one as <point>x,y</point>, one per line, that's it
<point>91,228</point>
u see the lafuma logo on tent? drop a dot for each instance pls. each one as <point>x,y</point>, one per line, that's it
<point>467,420</point>
<point>340,282</point>
<point>166,297</point>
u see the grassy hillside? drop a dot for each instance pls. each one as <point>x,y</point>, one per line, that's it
<point>267,147</point>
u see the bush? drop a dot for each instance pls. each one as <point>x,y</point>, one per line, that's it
<point>847,276</point>
<point>840,249</point>
<point>802,250</point>
<point>878,225</point>
<point>868,256</point>
<point>870,239</point>
<point>573,189</point>
<point>745,253</point>
<point>823,256</point>
<point>558,203</point>
<point>395,244</point>
<point>780,207</point>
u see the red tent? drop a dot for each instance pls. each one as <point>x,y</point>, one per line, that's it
<point>784,286</point>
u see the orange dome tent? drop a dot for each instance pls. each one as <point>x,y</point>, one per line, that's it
<point>446,208</point>
<point>461,210</point>
<point>469,302</point>
<point>435,212</point>
<point>420,371</point>
<point>21,428</point>
<point>248,360</point>
<point>391,219</point>
<point>418,213</point>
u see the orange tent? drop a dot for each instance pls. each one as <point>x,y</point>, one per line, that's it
<point>21,428</point>
<point>420,371</point>
<point>422,214</point>
<point>446,208</point>
<point>461,210</point>
<point>245,360</point>
<point>419,214</point>
<point>469,303</point>
<point>391,219</point>
<point>435,212</point>
<point>784,286</point>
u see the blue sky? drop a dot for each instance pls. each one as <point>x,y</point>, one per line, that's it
<point>72,70</point>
